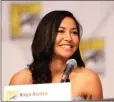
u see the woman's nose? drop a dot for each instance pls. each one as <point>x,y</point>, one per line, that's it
<point>68,37</point>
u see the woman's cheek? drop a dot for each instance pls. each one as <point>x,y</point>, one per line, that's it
<point>76,39</point>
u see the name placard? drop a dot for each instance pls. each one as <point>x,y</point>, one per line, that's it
<point>38,92</point>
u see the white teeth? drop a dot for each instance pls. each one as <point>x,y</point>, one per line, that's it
<point>66,46</point>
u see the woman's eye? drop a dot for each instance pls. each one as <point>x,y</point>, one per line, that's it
<point>60,31</point>
<point>75,32</point>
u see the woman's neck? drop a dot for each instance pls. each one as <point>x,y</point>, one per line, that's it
<point>57,66</point>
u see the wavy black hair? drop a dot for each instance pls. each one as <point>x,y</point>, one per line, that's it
<point>43,45</point>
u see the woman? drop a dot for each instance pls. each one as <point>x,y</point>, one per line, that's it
<point>56,40</point>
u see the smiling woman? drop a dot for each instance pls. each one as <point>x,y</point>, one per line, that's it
<point>56,40</point>
<point>67,39</point>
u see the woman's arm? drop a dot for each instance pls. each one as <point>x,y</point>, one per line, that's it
<point>93,86</point>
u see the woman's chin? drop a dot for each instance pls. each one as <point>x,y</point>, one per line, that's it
<point>66,56</point>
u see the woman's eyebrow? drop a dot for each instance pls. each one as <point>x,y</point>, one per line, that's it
<point>65,28</point>
<point>74,28</point>
<point>62,27</point>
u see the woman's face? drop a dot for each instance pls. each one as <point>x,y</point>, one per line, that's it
<point>67,39</point>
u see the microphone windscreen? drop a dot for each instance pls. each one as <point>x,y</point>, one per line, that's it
<point>72,62</point>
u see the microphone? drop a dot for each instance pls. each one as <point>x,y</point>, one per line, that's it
<point>70,64</point>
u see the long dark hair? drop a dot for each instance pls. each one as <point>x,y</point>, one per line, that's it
<point>43,43</point>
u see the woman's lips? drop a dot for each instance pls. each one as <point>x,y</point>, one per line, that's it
<point>66,46</point>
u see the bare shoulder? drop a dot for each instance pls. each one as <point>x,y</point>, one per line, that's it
<point>90,83</point>
<point>22,77</point>
<point>89,74</point>
<point>84,73</point>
